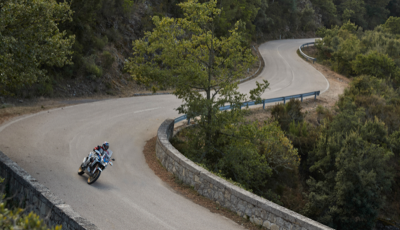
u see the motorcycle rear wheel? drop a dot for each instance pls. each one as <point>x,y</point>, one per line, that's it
<point>93,178</point>
<point>80,171</point>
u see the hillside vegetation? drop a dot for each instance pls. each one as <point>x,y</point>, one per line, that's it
<point>346,163</point>
<point>95,37</point>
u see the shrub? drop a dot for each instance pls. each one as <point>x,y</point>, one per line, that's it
<point>285,114</point>
<point>375,64</point>
<point>393,25</point>
<point>94,69</point>
<point>45,89</point>
<point>350,173</point>
<point>99,43</point>
<point>108,59</point>
<point>16,219</point>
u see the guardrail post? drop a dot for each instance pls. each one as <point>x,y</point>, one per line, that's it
<point>301,97</point>
<point>284,101</point>
<point>315,96</point>
<point>188,121</point>
<point>263,104</point>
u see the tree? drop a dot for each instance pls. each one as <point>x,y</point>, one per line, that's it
<point>328,11</point>
<point>375,64</point>
<point>235,10</point>
<point>392,25</point>
<point>252,153</point>
<point>30,40</point>
<point>350,173</point>
<point>354,10</point>
<point>376,12</point>
<point>186,54</point>
<point>394,8</point>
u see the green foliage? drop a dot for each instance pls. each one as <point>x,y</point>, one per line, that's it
<point>17,220</point>
<point>253,152</point>
<point>376,64</point>
<point>108,59</point>
<point>378,99</point>
<point>288,17</point>
<point>351,168</point>
<point>99,43</point>
<point>237,10</point>
<point>393,25</point>
<point>354,11</point>
<point>249,154</point>
<point>299,129</point>
<point>352,52</point>
<point>286,114</point>
<point>91,67</point>
<point>350,176</point>
<point>328,10</point>
<point>324,114</point>
<point>394,8</point>
<point>186,54</point>
<point>394,140</point>
<point>25,47</point>
<point>127,5</point>
<point>377,12</point>
<point>364,13</point>
<point>45,89</point>
<point>94,69</point>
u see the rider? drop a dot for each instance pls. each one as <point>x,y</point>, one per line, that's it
<point>103,149</point>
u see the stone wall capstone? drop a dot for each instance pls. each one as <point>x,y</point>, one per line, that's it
<point>25,191</point>
<point>248,205</point>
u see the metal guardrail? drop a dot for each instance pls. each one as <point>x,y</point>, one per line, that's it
<point>306,56</point>
<point>265,101</point>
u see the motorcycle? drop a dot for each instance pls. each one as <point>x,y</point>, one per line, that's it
<point>94,164</point>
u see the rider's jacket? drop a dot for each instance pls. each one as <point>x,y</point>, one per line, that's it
<point>103,151</point>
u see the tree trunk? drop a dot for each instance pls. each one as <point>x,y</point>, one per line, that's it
<point>209,109</point>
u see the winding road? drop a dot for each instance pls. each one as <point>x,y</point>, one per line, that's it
<point>50,146</point>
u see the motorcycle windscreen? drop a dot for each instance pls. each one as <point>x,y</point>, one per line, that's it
<point>107,155</point>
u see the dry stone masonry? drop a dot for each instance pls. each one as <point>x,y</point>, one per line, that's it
<point>26,192</point>
<point>248,205</point>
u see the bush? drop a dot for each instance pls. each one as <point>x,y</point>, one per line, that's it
<point>99,43</point>
<point>393,25</point>
<point>94,69</point>
<point>285,114</point>
<point>249,154</point>
<point>45,89</point>
<point>16,219</point>
<point>108,59</point>
<point>375,64</point>
<point>350,172</point>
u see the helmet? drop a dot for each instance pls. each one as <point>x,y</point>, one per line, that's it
<point>106,145</point>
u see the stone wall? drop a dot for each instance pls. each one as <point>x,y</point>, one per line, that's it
<point>26,192</point>
<point>248,205</point>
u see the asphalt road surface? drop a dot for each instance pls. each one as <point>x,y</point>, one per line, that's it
<point>51,145</point>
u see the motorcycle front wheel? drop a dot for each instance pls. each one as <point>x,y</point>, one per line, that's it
<point>93,178</point>
<point>80,171</point>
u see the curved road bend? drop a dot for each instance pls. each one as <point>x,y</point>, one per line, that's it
<point>51,145</point>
